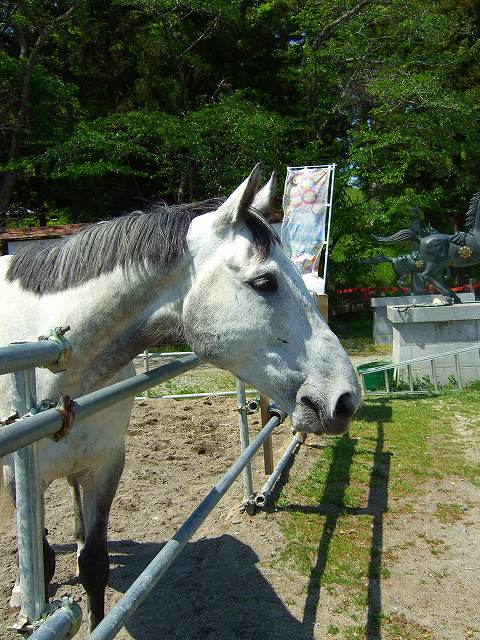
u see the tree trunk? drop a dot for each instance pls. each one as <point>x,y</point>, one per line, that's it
<point>10,178</point>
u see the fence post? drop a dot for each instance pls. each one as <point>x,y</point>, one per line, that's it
<point>244,442</point>
<point>410,376</point>
<point>434,374</point>
<point>29,505</point>
<point>459,375</point>
<point>387,382</point>
<point>146,358</point>
<point>146,367</point>
<point>267,445</point>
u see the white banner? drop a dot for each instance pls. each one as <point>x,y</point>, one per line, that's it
<point>306,202</point>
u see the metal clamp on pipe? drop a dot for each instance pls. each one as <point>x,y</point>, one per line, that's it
<point>65,408</point>
<point>62,620</point>
<point>58,335</point>
<point>275,410</point>
<point>253,405</point>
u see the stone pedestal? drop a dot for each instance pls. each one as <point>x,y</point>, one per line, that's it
<point>422,331</point>
<point>382,328</point>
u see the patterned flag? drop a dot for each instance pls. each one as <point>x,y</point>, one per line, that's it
<point>305,202</point>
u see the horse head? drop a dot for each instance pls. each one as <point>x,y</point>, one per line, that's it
<point>248,311</point>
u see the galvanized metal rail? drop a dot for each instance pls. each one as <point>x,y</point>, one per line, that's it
<point>148,356</point>
<point>20,435</point>
<point>24,432</point>
<point>408,364</point>
<point>26,355</point>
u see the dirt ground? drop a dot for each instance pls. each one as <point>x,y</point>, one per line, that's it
<point>224,585</point>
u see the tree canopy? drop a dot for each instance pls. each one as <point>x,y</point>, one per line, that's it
<point>106,105</point>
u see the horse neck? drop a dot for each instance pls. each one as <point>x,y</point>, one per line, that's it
<point>115,317</point>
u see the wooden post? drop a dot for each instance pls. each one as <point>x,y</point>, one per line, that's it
<point>321,300</point>
<point>267,445</point>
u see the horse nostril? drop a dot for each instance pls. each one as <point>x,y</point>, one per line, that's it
<point>346,406</point>
<point>308,402</point>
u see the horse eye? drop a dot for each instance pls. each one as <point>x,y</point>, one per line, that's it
<point>264,283</point>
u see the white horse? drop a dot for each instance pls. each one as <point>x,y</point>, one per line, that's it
<point>221,279</point>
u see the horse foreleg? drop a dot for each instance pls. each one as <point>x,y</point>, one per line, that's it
<point>48,569</point>
<point>79,523</point>
<point>49,561</point>
<point>48,552</point>
<point>99,487</point>
<point>418,283</point>
<point>432,275</point>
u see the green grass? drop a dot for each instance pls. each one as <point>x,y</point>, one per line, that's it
<point>450,513</point>
<point>394,627</point>
<point>332,521</point>
<point>435,545</point>
<point>355,332</point>
<point>167,348</point>
<point>200,380</point>
<point>364,347</point>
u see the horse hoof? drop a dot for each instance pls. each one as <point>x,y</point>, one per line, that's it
<point>15,602</point>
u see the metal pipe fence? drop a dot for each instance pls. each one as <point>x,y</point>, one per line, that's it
<point>145,582</point>
<point>26,355</point>
<point>29,505</point>
<point>250,499</point>
<point>21,435</point>
<point>262,497</point>
<point>244,442</point>
<point>409,366</point>
<point>47,423</point>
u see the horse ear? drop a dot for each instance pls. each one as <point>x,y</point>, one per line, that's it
<point>264,198</point>
<point>235,208</point>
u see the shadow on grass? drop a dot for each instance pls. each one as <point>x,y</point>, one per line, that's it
<point>332,505</point>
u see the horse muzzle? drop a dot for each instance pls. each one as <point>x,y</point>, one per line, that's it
<point>314,414</point>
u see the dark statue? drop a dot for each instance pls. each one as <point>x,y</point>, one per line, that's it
<point>405,266</point>
<point>441,250</point>
<point>408,267</point>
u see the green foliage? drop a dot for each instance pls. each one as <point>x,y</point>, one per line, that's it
<point>223,140</point>
<point>228,137</point>
<point>141,143</point>
<point>134,100</point>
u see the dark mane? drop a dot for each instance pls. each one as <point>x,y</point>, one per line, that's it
<point>473,212</point>
<point>157,236</point>
<point>262,232</point>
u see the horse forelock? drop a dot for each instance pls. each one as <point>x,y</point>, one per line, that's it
<point>263,234</point>
<point>157,236</point>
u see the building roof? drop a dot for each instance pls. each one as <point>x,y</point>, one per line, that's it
<point>39,233</point>
<point>60,230</point>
